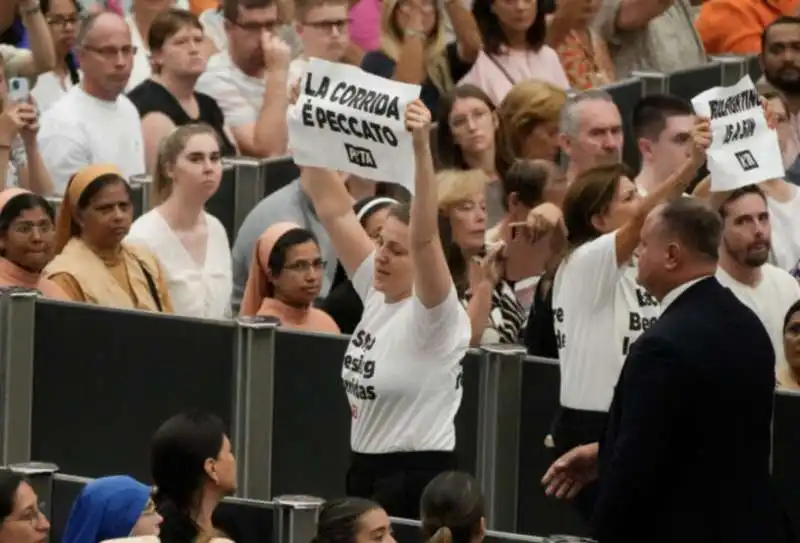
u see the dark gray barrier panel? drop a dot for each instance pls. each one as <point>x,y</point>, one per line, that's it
<point>626,94</point>
<point>222,204</point>
<point>786,454</point>
<point>311,424</point>
<point>536,513</point>
<point>311,420</point>
<point>690,82</point>
<point>754,68</point>
<point>278,172</point>
<point>409,531</point>
<point>105,379</point>
<point>244,521</point>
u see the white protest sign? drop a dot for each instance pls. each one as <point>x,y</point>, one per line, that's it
<point>346,119</point>
<point>744,150</point>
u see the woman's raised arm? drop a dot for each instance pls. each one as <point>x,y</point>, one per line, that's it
<point>334,207</point>
<point>432,281</point>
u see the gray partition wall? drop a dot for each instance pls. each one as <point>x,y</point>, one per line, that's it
<point>105,379</point>
<point>690,82</point>
<point>278,172</point>
<point>222,204</point>
<point>626,94</point>
<point>537,513</point>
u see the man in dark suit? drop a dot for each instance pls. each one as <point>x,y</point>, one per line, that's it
<point>685,456</point>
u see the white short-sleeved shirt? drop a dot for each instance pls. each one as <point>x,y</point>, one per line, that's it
<point>599,310</point>
<point>195,291</point>
<point>49,89</point>
<point>239,96</point>
<point>80,130</point>
<point>785,220</point>
<point>402,371</point>
<point>769,300</point>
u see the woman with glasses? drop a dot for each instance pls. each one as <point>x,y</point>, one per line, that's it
<point>63,17</point>
<point>94,265</point>
<point>27,242</point>
<point>22,521</point>
<point>285,279</point>
<point>112,508</point>
<point>191,244</point>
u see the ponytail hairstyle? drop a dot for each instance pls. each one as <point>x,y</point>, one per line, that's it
<point>168,152</point>
<point>452,509</point>
<point>338,520</point>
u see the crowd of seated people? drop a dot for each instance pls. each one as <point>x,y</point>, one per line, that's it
<point>499,241</point>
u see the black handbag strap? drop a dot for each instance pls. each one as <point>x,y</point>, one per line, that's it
<point>151,285</point>
<point>503,70</point>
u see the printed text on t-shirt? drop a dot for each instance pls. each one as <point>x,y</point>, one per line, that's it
<point>361,365</point>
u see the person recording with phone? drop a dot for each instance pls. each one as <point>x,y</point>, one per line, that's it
<point>21,164</point>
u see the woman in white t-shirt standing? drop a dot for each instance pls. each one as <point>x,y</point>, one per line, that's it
<point>191,244</point>
<point>402,371</point>
<point>598,307</point>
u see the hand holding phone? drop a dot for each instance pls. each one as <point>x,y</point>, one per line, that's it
<point>19,90</point>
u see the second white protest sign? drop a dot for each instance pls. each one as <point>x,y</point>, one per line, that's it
<point>346,119</point>
<point>744,151</point>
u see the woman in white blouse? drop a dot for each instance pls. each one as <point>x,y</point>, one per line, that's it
<point>191,245</point>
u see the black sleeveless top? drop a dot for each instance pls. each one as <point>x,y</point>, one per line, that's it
<point>151,97</point>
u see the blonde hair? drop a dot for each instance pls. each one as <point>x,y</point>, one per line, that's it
<point>454,186</point>
<point>168,151</point>
<point>527,104</point>
<point>436,65</point>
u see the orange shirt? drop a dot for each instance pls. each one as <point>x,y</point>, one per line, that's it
<point>735,26</point>
<point>199,6</point>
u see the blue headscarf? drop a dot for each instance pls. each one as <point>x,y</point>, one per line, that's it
<point>107,508</point>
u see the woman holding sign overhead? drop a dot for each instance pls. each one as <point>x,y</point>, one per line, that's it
<point>598,307</point>
<point>414,46</point>
<point>402,367</point>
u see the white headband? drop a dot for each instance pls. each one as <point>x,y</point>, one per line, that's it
<point>372,204</point>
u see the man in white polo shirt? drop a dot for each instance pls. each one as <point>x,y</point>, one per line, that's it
<point>746,243</point>
<point>94,123</point>
<point>249,80</point>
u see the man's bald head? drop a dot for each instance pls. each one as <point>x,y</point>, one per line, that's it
<point>100,23</point>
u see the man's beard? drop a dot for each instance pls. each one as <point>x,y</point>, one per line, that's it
<point>790,86</point>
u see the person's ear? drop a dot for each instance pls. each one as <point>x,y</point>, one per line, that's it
<point>599,222</point>
<point>645,147</point>
<point>210,466</point>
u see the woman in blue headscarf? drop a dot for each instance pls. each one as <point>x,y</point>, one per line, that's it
<point>111,508</point>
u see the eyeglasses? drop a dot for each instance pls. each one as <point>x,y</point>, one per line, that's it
<point>110,52</point>
<point>340,25</point>
<point>32,515</point>
<point>305,266</point>
<point>26,228</point>
<point>64,20</point>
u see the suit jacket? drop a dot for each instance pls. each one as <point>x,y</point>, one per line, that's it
<point>686,452</point>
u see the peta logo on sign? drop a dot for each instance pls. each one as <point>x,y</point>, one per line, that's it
<point>360,156</point>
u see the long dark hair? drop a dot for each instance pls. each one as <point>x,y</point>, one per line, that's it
<point>72,63</point>
<point>492,32</point>
<point>178,455</point>
<point>450,155</point>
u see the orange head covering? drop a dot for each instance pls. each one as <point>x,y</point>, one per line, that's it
<point>69,205</point>
<point>257,287</point>
<point>9,194</point>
